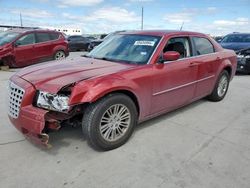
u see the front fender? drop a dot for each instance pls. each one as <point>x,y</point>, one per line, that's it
<point>91,90</point>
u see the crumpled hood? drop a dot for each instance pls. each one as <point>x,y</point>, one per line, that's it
<point>54,75</point>
<point>235,46</point>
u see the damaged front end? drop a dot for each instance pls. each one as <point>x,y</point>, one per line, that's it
<point>36,113</point>
<point>243,60</point>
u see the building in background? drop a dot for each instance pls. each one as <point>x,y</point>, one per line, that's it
<point>70,31</point>
<point>67,31</point>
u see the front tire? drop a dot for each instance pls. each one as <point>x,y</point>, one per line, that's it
<point>109,122</point>
<point>221,87</point>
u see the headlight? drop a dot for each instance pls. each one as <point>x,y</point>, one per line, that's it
<point>53,102</point>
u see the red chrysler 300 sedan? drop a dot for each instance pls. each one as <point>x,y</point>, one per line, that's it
<point>129,78</point>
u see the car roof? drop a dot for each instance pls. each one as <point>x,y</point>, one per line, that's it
<point>20,30</point>
<point>161,32</point>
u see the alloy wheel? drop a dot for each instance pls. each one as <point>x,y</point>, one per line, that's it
<point>115,122</point>
<point>59,55</point>
<point>222,86</point>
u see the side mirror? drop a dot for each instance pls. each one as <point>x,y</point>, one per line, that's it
<point>171,56</point>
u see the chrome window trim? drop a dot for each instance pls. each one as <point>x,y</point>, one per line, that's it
<point>184,85</point>
<point>191,57</point>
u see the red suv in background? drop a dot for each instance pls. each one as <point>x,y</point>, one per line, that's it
<point>19,48</point>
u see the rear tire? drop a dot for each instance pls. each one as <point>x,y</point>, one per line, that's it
<point>59,55</point>
<point>109,122</point>
<point>221,87</point>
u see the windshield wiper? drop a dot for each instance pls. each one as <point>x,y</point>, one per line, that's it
<point>102,58</point>
<point>113,60</point>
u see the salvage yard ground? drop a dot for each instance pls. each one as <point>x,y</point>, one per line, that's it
<point>205,144</point>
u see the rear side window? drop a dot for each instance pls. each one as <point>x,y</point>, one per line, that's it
<point>54,36</point>
<point>203,46</point>
<point>42,37</point>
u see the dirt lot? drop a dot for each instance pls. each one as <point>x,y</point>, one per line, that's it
<point>205,144</point>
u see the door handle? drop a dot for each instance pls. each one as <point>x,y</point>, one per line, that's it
<point>192,64</point>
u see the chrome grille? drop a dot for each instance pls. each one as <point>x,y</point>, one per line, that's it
<point>15,99</point>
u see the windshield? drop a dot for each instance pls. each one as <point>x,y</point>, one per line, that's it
<point>6,37</point>
<point>132,49</point>
<point>236,38</point>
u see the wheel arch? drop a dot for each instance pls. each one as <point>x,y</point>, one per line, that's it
<point>227,65</point>
<point>229,70</point>
<point>130,94</point>
<point>59,48</point>
<point>126,92</point>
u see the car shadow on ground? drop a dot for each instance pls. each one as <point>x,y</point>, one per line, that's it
<point>170,114</point>
<point>69,136</point>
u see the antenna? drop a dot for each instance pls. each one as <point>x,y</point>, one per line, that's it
<point>182,26</point>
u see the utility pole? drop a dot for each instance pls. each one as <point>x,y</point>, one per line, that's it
<point>142,17</point>
<point>21,20</point>
<point>182,26</point>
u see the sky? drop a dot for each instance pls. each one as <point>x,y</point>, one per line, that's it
<point>215,17</point>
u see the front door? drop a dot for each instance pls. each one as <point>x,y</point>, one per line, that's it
<point>24,50</point>
<point>174,82</point>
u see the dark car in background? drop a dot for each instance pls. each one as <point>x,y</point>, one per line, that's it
<point>93,44</point>
<point>240,43</point>
<point>236,41</point>
<point>91,38</point>
<point>96,42</point>
<point>78,42</point>
<point>243,57</point>
<point>20,48</point>
<point>103,37</point>
<point>218,38</point>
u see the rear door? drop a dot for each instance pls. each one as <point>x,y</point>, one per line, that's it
<point>55,41</point>
<point>174,82</point>
<point>207,62</point>
<point>24,50</point>
<point>44,46</point>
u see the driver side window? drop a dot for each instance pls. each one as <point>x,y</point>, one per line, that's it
<point>26,40</point>
<point>179,44</point>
